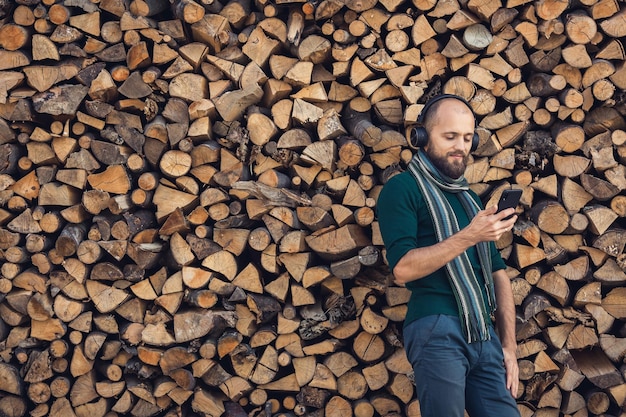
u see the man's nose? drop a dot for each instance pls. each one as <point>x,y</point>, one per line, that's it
<point>461,144</point>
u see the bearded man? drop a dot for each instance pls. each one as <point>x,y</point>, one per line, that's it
<point>440,244</point>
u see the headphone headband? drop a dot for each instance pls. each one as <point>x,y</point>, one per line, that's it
<point>422,117</point>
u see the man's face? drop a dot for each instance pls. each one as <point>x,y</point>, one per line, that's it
<point>450,137</point>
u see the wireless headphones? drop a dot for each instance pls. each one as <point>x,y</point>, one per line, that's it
<point>419,136</point>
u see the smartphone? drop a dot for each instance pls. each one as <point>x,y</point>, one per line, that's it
<point>509,198</point>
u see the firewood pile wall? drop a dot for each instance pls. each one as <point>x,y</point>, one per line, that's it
<point>188,199</point>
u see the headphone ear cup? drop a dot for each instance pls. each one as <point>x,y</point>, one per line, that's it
<point>475,141</point>
<point>420,137</point>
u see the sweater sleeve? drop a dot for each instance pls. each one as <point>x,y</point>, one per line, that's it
<point>397,208</point>
<point>496,259</point>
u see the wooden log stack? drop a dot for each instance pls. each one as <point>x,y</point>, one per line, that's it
<point>188,194</point>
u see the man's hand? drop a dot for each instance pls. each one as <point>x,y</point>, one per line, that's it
<point>505,325</point>
<point>488,225</point>
<point>512,371</point>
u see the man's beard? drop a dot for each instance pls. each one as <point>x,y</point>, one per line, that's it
<point>452,170</point>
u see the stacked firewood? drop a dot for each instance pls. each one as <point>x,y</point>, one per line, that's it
<point>188,199</point>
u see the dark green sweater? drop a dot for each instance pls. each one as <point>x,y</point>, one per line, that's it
<point>405,224</point>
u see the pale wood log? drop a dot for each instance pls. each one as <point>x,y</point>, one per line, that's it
<point>611,25</point>
<point>542,211</point>
<point>189,11</point>
<point>368,347</point>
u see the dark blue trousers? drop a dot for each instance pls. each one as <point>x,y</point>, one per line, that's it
<point>452,376</point>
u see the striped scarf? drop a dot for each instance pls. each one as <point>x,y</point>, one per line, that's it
<point>465,284</point>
